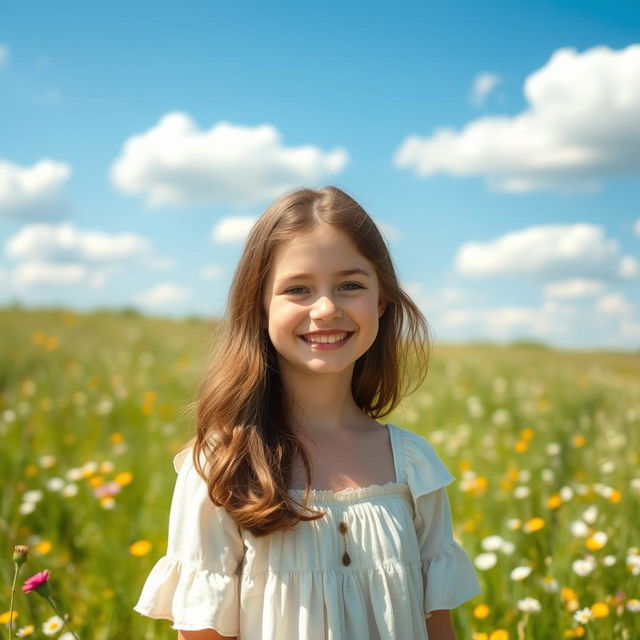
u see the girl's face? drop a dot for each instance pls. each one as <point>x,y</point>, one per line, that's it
<point>318,282</point>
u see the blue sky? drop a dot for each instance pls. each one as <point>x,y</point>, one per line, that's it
<point>498,145</point>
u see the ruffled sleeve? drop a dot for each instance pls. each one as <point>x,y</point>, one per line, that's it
<point>449,578</point>
<point>196,584</point>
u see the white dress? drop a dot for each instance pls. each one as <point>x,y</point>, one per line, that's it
<point>402,560</point>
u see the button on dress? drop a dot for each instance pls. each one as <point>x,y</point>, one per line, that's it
<point>373,568</point>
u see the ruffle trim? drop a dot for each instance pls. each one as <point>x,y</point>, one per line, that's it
<point>449,579</point>
<point>425,470</point>
<point>354,494</point>
<point>191,598</point>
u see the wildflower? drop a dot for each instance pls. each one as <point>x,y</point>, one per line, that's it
<point>554,501</point>
<point>55,484</point>
<point>579,529</point>
<point>633,562</point>
<point>553,449</point>
<point>633,605</point>
<point>108,489</point>
<point>600,610</point>
<point>33,496</point>
<point>583,567</point>
<point>26,508</point>
<point>140,548</point>
<point>20,553</point>
<point>47,461</point>
<point>590,514</point>
<point>491,543</point>
<point>596,541</point>
<point>514,524</point>
<point>124,478</point>
<point>51,626</point>
<point>522,492</point>
<point>520,573</point>
<point>484,561</point>
<point>535,524</point>
<point>8,615</point>
<point>499,634</point>
<point>42,548</point>
<point>481,611</point>
<point>529,605</point>
<point>549,584</point>
<point>507,547</point>
<point>70,490</point>
<point>23,632</point>
<point>566,493</point>
<point>583,615</point>
<point>39,583</point>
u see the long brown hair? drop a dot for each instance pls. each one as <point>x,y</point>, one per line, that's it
<point>243,429</point>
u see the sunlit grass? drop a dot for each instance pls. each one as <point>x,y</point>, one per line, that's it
<point>544,446</point>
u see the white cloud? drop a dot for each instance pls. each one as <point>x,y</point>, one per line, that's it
<point>176,163</point>
<point>389,233</point>
<point>581,125</point>
<point>211,271</point>
<point>163,294</point>
<point>551,319</point>
<point>547,251</point>
<point>232,230</point>
<point>636,227</point>
<point>483,85</point>
<point>50,273</point>
<point>32,192</point>
<point>66,242</point>
<point>614,304</point>
<point>4,55</point>
<point>576,288</point>
<point>64,254</point>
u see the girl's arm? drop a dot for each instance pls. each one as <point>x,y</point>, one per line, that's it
<point>205,634</point>
<point>439,626</point>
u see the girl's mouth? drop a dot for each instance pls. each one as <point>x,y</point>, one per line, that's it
<point>327,346</point>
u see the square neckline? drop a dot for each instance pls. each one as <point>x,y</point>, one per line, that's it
<point>398,485</point>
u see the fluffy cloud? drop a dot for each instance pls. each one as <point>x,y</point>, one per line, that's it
<point>176,163</point>
<point>551,319</point>
<point>33,192</point>
<point>636,227</point>
<point>582,124</point>
<point>548,252</point>
<point>232,230</point>
<point>576,288</point>
<point>483,85</point>
<point>614,304</point>
<point>63,254</point>
<point>163,294</point>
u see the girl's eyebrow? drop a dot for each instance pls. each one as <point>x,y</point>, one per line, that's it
<point>302,276</point>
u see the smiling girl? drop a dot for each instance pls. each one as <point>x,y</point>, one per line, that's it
<point>296,514</point>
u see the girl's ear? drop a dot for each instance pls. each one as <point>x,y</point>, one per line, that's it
<point>382,306</point>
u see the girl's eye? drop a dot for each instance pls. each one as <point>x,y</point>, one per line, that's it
<point>351,286</point>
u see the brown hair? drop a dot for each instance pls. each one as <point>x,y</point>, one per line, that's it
<point>243,429</point>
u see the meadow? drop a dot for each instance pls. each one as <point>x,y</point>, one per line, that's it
<point>544,445</point>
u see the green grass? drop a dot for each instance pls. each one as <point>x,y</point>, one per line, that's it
<point>112,389</point>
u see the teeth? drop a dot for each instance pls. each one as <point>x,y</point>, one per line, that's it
<point>326,339</point>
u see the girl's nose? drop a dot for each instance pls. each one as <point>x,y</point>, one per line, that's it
<point>325,308</point>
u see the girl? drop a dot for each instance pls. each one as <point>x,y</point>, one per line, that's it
<point>296,515</point>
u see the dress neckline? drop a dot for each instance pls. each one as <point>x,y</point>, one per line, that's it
<point>356,493</point>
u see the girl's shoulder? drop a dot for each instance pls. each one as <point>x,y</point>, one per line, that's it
<point>425,471</point>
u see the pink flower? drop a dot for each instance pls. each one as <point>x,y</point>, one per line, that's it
<point>38,582</point>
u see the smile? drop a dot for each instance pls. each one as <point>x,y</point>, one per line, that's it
<point>327,342</point>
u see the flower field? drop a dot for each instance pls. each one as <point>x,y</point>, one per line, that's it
<point>544,445</point>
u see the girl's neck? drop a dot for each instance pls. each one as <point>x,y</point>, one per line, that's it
<point>321,403</point>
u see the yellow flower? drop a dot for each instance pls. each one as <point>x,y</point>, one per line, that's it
<point>23,632</point>
<point>578,440</point>
<point>52,343</point>
<point>554,501</point>
<point>96,481</point>
<point>4,617</point>
<point>480,636</point>
<point>527,434</point>
<point>535,524</point>
<point>595,543</point>
<point>499,634</point>
<point>31,470</point>
<point>148,399</point>
<point>116,438</point>
<point>521,446</point>
<point>38,337</point>
<point>42,548</point>
<point>568,594</point>
<point>615,496</point>
<point>481,611</point>
<point>600,610</point>
<point>140,548</point>
<point>124,478</point>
